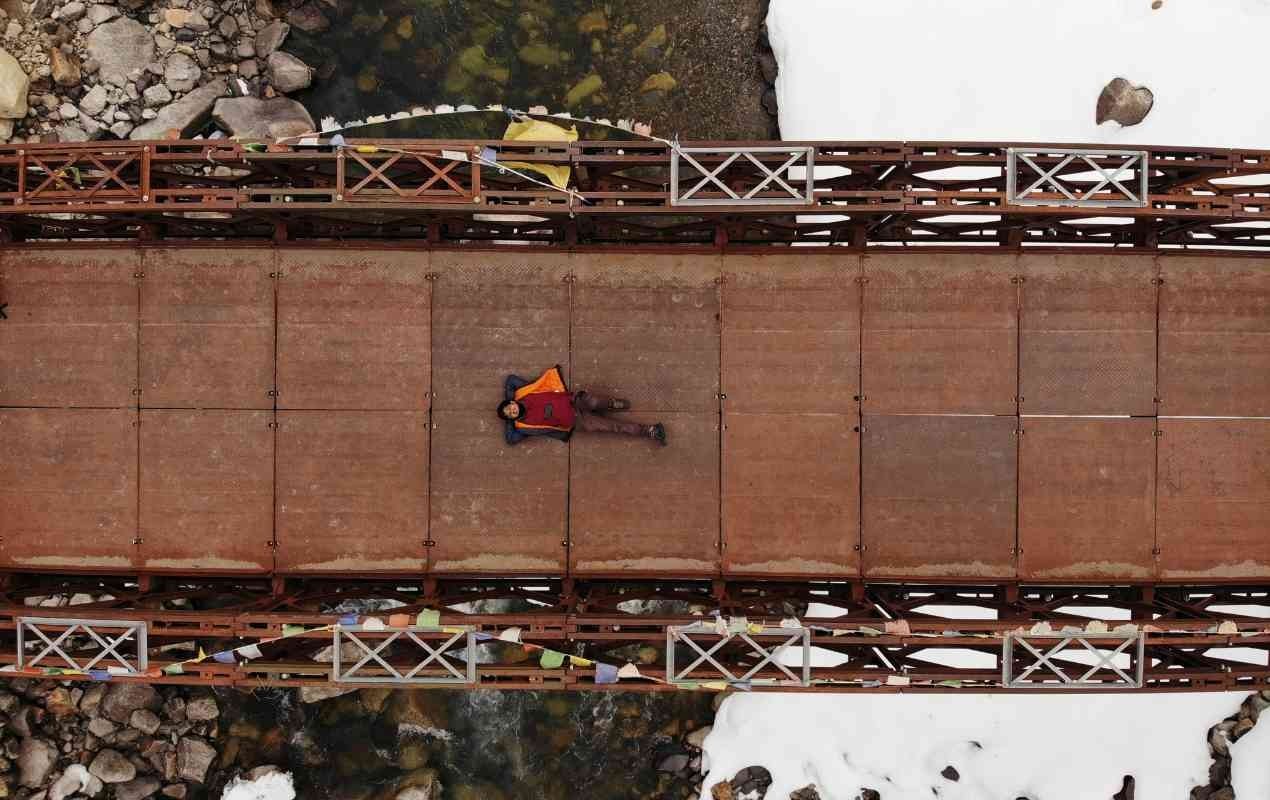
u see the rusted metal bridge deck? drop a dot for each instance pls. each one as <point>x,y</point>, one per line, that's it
<point>228,409</point>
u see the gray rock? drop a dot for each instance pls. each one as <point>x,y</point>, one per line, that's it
<point>41,9</point>
<point>185,115</point>
<point>68,111</point>
<point>72,133</point>
<point>675,763</point>
<point>137,788</point>
<point>228,26</point>
<point>112,767</point>
<point>119,47</point>
<point>249,68</point>
<point>198,23</point>
<point>94,102</point>
<point>145,720</point>
<point>245,50</point>
<point>174,709</point>
<point>72,11</point>
<point>177,791</point>
<point>90,703</point>
<point>181,73</point>
<point>101,727</point>
<point>316,694</point>
<point>36,758</point>
<point>201,709</point>
<point>308,18</point>
<point>124,698</point>
<point>102,13</point>
<point>193,758</point>
<point>808,792</point>
<point>270,37</point>
<point>1122,102</point>
<point>157,95</point>
<point>288,73</point>
<point>255,118</point>
<point>14,85</point>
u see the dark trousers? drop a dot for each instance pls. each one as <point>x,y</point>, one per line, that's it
<point>591,408</point>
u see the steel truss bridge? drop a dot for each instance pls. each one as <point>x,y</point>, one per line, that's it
<point>649,197</point>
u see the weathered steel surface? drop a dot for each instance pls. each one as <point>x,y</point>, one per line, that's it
<point>71,334</point>
<point>352,491</point>
<point>940,334</point>
<point>647,328</point>
<point>939,497</point>
<point>791,333</point>
<point>353,330</point>
<point>207,490</point>
<point>1214,336</point>
<point>493,314</point>
<point>496,509</point>
<point>207,328</point>
<point>1087,499</point>
<point>68,489</point>
<point>1214,499</point>
<point>637,507</point>
<point>1088,334</point>
<point>791,494</point>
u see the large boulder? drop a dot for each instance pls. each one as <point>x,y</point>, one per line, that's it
<point>120,47</point>
<point>270,37</point>
<point>193,758</point>
<point>14,85</point>
<point>124,698</point>
<point>256,118</point>
<point>111,766</point>
<point>181,73</point>
<point>36,758</point>
<point>288,73</point>
<point>186,115</point>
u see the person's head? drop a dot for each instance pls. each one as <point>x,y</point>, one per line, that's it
<point>509,410</point>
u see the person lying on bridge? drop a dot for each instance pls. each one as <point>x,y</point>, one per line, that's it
<point>544,407</point>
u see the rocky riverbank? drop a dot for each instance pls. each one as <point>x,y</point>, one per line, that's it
<point>76,70</point>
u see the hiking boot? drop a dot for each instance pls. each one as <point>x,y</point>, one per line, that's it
<point>658,433</point>
<point>618,404</point>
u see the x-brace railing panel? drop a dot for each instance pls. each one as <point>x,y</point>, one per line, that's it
<point>707,645</point>
<point>1121,178</point>
<point>83,644</point>
<point>435,651</point>
<point>402,176</point>
<point>1041,670</point>
<point>776,185</point>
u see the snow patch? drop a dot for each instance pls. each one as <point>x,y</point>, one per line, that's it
<point>272,786</point>
<point>1018,70</point>
<point>1003,746</point>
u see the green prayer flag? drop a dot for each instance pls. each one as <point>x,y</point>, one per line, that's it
<point>551,659</point>
<point>292,630</point>
<point>174,669</point>
<point>428,618</point>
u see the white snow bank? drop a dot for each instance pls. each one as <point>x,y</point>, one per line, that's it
<point>1043,747</point>
<point>271,786</point>
<point>1020,70</point>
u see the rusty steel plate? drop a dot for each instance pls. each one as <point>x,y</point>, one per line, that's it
<point>939,497</point>
<point>636,507</point>
<point>68,489</point>
<point>1088,334</point>
<point>354,330</point>
<point>647,328</point>
<point>496,509</point>
<point>940,334</point>
<point>1087,499</point>
<point>1215,336</point>
<point>207,328</point>
<point>791,509</point>
<point>71,334</point>
<point>495,314</point>
<point>791,333</point>
<point>207,490</point>
<point>352,491</point>
<point>1214,500</point>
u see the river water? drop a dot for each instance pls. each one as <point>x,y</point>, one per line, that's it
<point>687,65</point>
